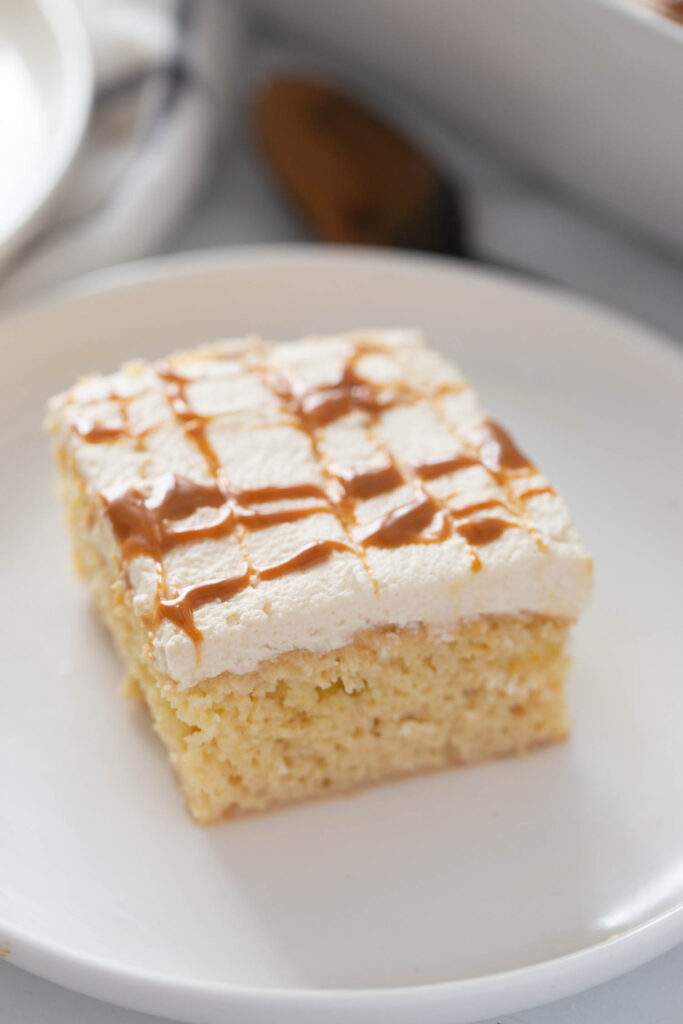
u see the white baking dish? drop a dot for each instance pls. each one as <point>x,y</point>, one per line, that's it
<point>584,92</point>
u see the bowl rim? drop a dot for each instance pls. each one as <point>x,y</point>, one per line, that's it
<point>65,25</point>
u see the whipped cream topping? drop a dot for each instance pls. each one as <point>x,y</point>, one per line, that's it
<point>277,497</point>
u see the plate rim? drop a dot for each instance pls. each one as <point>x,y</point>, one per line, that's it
<point>561,976</point>
<point>191,262</point>
<point>486,994</point>
<point>70,38</point>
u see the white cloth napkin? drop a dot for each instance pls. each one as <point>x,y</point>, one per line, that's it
<point>164,71</point>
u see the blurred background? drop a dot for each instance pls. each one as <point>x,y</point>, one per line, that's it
<point>541,138</point>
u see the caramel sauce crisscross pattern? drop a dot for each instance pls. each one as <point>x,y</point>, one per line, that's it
<point>144,524</point>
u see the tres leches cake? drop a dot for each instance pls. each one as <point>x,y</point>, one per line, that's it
<point>322,563</point>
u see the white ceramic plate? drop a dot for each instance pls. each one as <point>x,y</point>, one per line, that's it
<point>45,92</point>
<point>439,899</point>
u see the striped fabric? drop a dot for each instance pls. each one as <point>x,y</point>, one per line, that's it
<point>163,75</point>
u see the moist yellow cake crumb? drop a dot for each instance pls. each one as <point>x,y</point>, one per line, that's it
<point>391,703</point>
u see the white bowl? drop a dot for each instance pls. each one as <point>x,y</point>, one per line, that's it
<point>46,84</point>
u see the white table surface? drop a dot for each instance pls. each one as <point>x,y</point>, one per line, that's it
<point>240,206</point>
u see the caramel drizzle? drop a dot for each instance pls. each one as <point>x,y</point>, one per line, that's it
<point>97,433</point>
<point>500,455</point>
<point>312,554</point>
<point>143,525</point>
<point>256,495</point>
<point>368,483</point>
<point>497,450</point>
<point>318,406</point>
<point>532,492</point>
<point>479,532</point>
<point>440,467</point>
<point>193,422</point>
<point>403,525</point>
<point>323,404</point>
<point>176,497</point>
<point>409,524</point>
<point>94,432</point>
<point>180,610</point>
<point>464,511</point>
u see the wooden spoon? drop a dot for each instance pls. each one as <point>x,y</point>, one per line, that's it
<point>354,178</point>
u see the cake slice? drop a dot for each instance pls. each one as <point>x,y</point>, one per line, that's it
<point>322,563</point>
